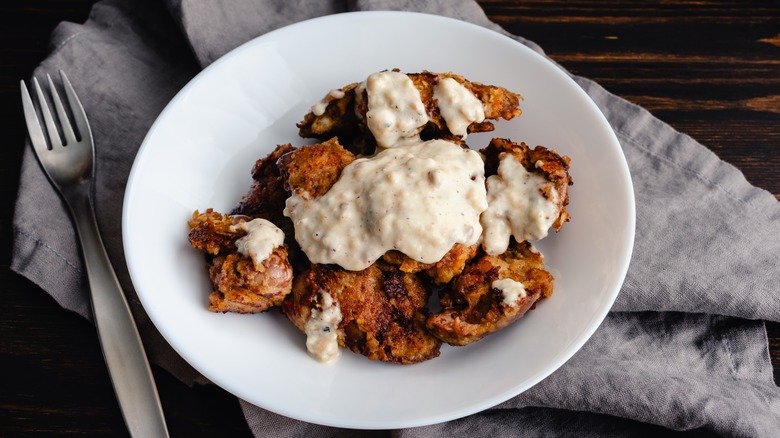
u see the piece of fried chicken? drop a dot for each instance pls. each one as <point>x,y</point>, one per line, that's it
<point>492,292</point>
<point>265,199</point>
<point>238,283</point>
<point>310,171</point>
<point>344,113</point>
<point>266,195</point>
<point>541,160</point>
<point>383,310</point>
<point>441,272</point>
<point>527,193</point>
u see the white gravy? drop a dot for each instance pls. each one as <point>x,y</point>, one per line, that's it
<point>261,239</point>
<point>395,109</point>
<point>516,206</point>
<point>419,199</point>
<point>459,106</point>
<point>511,289</point>
<point>318,108</point>
<point>321,336</point>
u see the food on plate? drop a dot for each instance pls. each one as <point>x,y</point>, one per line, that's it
<point>246,261</point>
<point>308,172</point>
<point>492,292</point>
<point>420,200</point>
<point>390,206</point>
<point>378,312</point>
<point>528,191</point>
<point>448,105</point>
<point>266,195</point>
<point>440,272</point>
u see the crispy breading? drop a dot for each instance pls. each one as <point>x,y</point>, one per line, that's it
<point>238,285</point>
<point>211,231</point>
<point>441,272</point>
<point>345,117</point>
<point>383,310</point>
<point>553,166</point>
<point>473,308</point>
<point>498,102</point>
<point>310,171</point>
<point>266,195</point>
<point>266,198</point>
<point>339,120</point>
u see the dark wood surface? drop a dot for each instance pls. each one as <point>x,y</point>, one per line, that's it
<point>710,69</point>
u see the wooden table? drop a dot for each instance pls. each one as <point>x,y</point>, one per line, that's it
<point>711,69</point>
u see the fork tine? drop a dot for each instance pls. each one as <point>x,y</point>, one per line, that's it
<point>79,115</point>
<point>67,129</point>
<point>51,127</point>
<point>37,137</point>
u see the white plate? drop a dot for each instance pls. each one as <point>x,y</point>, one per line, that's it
<point>199,154</point>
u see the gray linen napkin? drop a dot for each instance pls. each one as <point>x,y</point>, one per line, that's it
<point>684,347</point>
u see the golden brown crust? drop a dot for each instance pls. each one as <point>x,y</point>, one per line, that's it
<point>548,162</point>
<point>238,284</point>
<point>473,308</point>
<point>266,196</point>
<point>498,102</point>
<point>240,287</point>
<point>383,310</point>
<point>345,117</point>
<point>441,272</point>
<point>310,171</point>
<point>211,231</point>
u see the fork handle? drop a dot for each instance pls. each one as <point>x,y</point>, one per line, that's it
<point>120,341</point>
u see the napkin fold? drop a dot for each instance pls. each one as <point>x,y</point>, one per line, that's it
<point>684,348</point>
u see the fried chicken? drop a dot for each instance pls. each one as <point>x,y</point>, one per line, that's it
<point>481,301</point>
<point>527,193</point>
<point>311,170</point>
<point>266,195</point>
<point>383,310</point>
<point>265,199</point>
<point>339,119</point>
<point>239,284</point>
<point>345,116</point>
<point>498,102</point>
<point>549,163</point>
<point>276,175</point>
<point>441,272</point>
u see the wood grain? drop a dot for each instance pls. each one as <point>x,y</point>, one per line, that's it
<point>710,69</point>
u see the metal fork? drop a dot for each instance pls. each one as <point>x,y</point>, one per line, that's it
<point>69,164</point>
